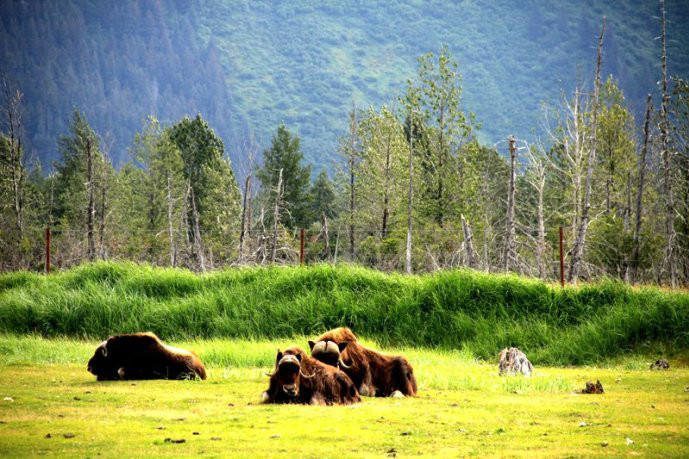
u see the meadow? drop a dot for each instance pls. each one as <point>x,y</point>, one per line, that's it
<point>51,406</point>
<point>449,325</point>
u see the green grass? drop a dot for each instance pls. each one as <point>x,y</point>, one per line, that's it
<point>459,310</point>
<point>463,409</point>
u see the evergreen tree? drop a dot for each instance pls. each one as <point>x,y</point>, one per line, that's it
<point>321,198</point>
<point>285,154</point>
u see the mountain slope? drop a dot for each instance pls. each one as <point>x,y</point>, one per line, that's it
<point>248,66</point>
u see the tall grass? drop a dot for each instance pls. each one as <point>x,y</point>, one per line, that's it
<point>476,312</point>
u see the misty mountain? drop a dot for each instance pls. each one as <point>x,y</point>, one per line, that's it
<point>249,65</point>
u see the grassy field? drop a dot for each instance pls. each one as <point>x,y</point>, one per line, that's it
<point>477,312</point>
<point>51,406</point>
<point>450,325</point>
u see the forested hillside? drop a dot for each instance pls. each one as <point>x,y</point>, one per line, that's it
<point>249,65</point>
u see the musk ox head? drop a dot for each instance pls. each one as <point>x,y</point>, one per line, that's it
<point>100,364</point>
<point>329,352</point>
<point>287,375</point>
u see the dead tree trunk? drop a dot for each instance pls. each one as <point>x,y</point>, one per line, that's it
<point>537,181</point>
<point>640,191</point>
<point>576,159</point>
<point>468,243</point>
<point>170,232</point>
<point>185,224</point>
<point>326,237</point>
<point>16,159</point>
<point>386,191</point>
<point>580,241</point>
<point>670,260</point>
<point>276,218</point>
<point>102,216</point>
<point>90,210</point>
<point>352,146</point>
<point>509,254</point>
<point>407,259</point>
<point>198,245</point>
<point>242,232</point>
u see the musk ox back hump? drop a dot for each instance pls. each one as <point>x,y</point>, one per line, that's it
<point>338,335</point>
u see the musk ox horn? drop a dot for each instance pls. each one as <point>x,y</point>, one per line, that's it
<point>104,348</point>
<point>343,365</point>
<point>305,375</point>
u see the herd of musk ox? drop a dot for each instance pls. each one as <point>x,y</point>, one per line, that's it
<point>338,371</point>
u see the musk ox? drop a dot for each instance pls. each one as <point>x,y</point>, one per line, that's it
<point>513,361</point>
<point>299,378</point>
<point>373,373</point>
<point>143,356</point>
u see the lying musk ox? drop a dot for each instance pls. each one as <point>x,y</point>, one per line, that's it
<point>299,378</point>
<point>373,373</point>
<point>143,356</point>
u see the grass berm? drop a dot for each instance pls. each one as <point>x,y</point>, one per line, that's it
<point>474,312</point>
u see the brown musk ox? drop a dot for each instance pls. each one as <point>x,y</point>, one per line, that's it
<point>299,378</point>
<point>373,373</point>
<point>143,356</point>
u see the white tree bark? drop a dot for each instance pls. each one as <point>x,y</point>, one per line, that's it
<point>580,241</point>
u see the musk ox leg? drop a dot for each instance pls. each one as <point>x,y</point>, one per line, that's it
<point>403,379</point>
<point>397,394</point>
<point>121,373</point>
<point>317,399</point>
<point>265,397</point>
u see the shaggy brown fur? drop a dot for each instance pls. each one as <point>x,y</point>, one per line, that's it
<point>143,356</point>
<point>299,378</point>
<point>373,373</point>
<point>593,388</point>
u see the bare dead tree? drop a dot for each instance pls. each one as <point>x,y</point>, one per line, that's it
<point>407,260</point>
<point>276,217</point>
<point>640,190</point>
<point>90,209</point>
<point>326,237</point>
<point>510,252</point>
<point>15,159</point>
<point>103,186</point>
<point>242,231</point>
<point>386,191</point>
<point>352,153</point>
<point>170,210</point>
<point>198,244</point>
<point>468,243</point>
<point>337,243</point>
<point>537,180</point>
<point>670,258</point>
<point>185,220</point>
<point>103,211</point>
<point>246,203</point>
<point>580,241</point>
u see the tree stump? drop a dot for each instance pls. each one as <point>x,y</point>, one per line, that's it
<point>513,361</point>
<point>661,364</point>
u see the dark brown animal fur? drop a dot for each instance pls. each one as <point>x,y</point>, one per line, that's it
<point>299,378</point>
<point>143,356</point>
<point>373,373</point>
<point>593,388</point>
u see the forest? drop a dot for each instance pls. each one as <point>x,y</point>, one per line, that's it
<point>414,189</point>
